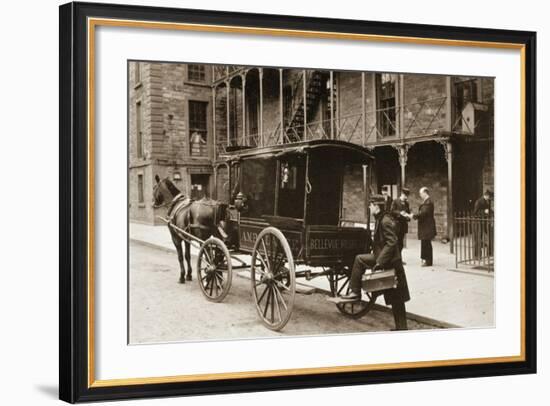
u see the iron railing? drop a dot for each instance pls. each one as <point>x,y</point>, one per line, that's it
<point>473,240</point>
<point>412,120</point>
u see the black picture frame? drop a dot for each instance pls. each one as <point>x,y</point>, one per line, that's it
<point>74,199</point>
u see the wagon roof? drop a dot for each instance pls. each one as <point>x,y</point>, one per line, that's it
<point>353,151</point>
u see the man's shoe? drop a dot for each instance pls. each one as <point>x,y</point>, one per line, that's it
<point>352,296</point>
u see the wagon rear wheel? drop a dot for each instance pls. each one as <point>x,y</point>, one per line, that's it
<point>353,310</point>
<point>214,269</point>
<point>273,279</point>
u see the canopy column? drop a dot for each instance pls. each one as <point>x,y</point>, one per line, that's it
<point>228,113</point>
<point>448,147</point>
<point>331,105</point>
<point>281,124</point>
<point>261,79</point>
<point>243,81</point>
<point>403,151</point>
<point>214,142</point>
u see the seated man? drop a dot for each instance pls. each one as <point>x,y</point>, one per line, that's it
<point>386,254</point>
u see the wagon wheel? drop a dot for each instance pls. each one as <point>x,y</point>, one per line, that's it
<point>273,279</point>
<point>353,310</point>
<point>214,269</point>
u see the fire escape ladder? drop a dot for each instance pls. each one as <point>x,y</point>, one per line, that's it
<point>314,85</point>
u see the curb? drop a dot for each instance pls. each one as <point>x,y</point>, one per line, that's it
<point>312,289</point>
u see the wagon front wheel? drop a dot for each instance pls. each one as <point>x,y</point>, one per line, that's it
<point>273,279</point>
<point>214,269</point>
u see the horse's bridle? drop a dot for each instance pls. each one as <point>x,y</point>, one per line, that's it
<point>166,203</point>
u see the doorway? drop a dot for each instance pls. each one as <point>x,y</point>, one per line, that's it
<point>200,186</point>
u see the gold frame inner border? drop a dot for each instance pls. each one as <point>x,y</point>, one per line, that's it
<point>94,22</point>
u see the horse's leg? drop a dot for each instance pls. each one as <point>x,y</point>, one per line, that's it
<point>177,242</point>
<point>188,259</point>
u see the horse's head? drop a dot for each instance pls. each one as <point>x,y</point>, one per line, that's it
<point>163,192</point>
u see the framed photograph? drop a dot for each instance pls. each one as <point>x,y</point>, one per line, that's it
<point>256,202</point>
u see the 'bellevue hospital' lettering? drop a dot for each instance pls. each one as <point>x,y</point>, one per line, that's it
<point>334,244</point>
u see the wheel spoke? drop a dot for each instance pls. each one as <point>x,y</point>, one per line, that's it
<point>208,281</point>
<point>221,280</point>
<point>212,255</point>
<point>282,286</point>
<point>211,284</point>
<point>207,255</point>
<point>272,305</point>
<point>262,295</point>
<point>263,263</point>
<point>280,296</point>
<point>267,301</point>
<point>343,286</point>
<point>266,255</point>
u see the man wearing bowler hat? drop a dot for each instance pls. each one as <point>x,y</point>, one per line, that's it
<point>386,254</point>
<point>426,226</point>
<point>400,210</point>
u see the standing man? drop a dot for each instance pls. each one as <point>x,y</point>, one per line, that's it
<point>400,210</point>
<point>385,254</point>
<point>482,206</point>
<point>426,226</point>
<point>483,232</point>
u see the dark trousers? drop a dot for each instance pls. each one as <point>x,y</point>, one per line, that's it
<point>363,262</point>
<point>426,251</point>
<point>400,241</point>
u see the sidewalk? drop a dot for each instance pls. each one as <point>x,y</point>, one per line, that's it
<point>453,298</point>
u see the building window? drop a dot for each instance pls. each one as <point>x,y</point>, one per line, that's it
<point>466,91</point>
<point>139,130</point>
<point>196,73</point>
<point>198,127</point>
<point>385,86</point>
<point>140,189</point>
<point>137,76</point>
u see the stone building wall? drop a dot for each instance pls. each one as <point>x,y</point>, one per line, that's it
<point>164,93</point>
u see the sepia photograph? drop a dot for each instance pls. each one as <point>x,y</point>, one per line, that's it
<point>276,202</point>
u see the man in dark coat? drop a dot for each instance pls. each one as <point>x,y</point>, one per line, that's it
<point>426,226</point>
<point>483,235</point>
<point>400,210</point>
<point>482,206</point>
<point>385,255</point>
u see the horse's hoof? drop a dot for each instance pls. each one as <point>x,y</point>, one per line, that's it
<point>189,278</point>
<point>181,280</point>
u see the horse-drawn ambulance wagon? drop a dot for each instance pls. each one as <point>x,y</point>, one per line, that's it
<point>286,212</point>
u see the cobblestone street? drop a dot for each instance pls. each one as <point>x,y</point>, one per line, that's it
<point>163,310</point>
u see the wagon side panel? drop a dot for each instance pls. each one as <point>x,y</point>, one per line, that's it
<point>326,245</point>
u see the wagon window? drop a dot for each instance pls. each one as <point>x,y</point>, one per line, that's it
<point>258,185</point>
<point>288,176</point>
<point>290,202</point>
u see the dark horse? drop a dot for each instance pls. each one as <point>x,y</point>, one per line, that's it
<point>201,218</point>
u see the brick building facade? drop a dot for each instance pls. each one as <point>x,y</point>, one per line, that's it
<point>424,130</point>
